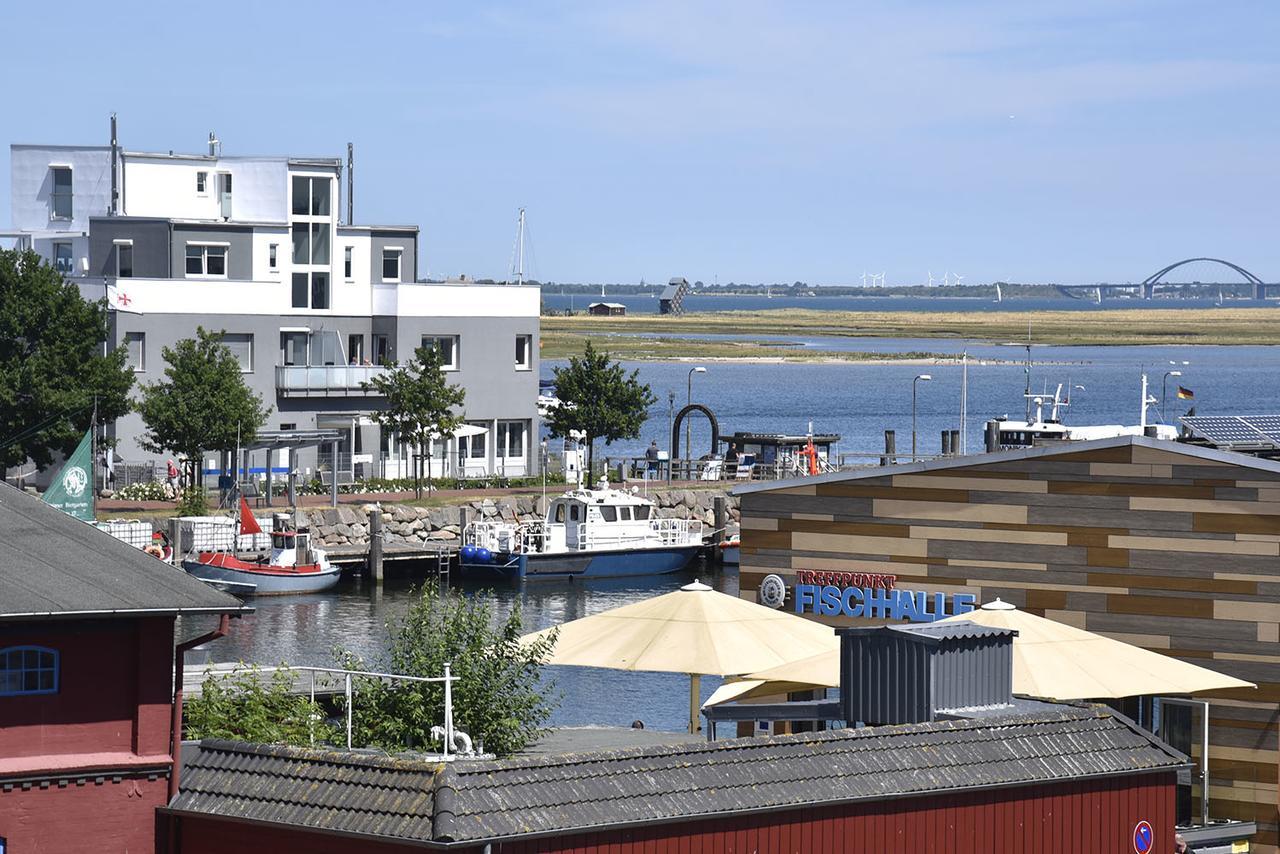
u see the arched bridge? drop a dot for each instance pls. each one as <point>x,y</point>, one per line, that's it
<point>1235,277</point>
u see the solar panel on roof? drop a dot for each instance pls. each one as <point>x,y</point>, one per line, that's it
<point>1235,430</point>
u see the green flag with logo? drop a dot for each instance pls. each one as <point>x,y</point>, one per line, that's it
<point>72,490</point>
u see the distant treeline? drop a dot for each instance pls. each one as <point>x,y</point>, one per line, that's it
<point>803,289</point>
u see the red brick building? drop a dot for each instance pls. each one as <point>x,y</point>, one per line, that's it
<point>86,681</point>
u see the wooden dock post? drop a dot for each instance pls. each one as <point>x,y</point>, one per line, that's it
<point>955,443</point>
<point>890,457</point>
<point>720,513</point>
<point>375,545</point>
<point>175,539</point>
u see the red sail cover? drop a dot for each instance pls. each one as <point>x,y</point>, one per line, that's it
<point>248,524</point>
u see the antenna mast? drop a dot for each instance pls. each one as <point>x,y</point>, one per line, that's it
<point>520,249</point>
<point>1027,393</point>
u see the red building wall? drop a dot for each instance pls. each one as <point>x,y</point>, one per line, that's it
<point>85,769</point>
<point>1063,818</point>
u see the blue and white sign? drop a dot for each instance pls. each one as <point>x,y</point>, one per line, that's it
<point>867,595</point>
<point>1143,838</point>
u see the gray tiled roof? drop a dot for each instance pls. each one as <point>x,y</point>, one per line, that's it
<point>53,564</point>
<point>476,801</point>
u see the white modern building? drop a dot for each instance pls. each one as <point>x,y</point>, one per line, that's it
<point>312,304</point>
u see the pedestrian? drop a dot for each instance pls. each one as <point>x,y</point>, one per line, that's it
<point>731,461</point>
<point>1180,845</point>
<point>172,473</point>
<point>651,458</point>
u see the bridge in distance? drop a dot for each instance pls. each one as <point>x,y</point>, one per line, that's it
<point>1224,275</point>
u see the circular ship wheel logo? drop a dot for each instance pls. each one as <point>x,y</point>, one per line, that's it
<point>772,592</point>
<point>75,481</point>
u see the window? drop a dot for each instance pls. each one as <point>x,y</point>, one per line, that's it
<point>62,258</point>
<point>205,259</point>
<point>524,352</point>
<point>124,258</point>
<point>310,196</point>
<point>346,263</point>
<point>476,444</point>
<point>511,439</point>
<point>642,512</point>
<point>391,264</point>
<point>61,196</point>
<point>294,345</point>
<point>202,183</point>
<point>136,345</point>
<point>273,256</point>
<point>559,517</point>
<point>241,346</point>
<point>446,346</point>
<point>381,349</point>
<point>310,243</point>
<point>624,513</point>
<point>319,290</point>
<point>28,670</point>
<point>300,281</point>
<point>609,513</point>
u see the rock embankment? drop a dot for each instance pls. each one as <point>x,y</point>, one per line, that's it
<point>349,525</point>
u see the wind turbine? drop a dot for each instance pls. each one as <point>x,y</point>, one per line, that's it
<point>946,279</point>
<point>864,278</point>
<point>930,278</point>
<point>958,279</point>
<point>880,282</point>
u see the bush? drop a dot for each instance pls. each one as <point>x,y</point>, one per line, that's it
<point>240,706</point>
<point>152,490</point>
<point>499,698</point>
<point>193,503</point>
<point>315,486</point>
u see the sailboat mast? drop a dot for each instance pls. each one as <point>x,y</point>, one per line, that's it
<point>964,402</point>
<point>520,249</point>
<point>1026,394</point>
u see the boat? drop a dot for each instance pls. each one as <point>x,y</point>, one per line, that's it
<point>587,533</point>
<point>294,565</point>
<point>1039,429</point>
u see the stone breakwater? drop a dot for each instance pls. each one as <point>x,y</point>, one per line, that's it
<point>349,525</point>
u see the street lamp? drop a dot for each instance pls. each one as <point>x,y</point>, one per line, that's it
<point>689,400</point>
<point>926,378</point>
<point>1164,386</point>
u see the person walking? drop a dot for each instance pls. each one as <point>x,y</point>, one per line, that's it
<point>651,457</point>
<point>172,473</point>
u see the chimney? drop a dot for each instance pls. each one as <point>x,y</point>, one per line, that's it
<point>903,674</point>
<point>115,169</point>
<point>351,165</point>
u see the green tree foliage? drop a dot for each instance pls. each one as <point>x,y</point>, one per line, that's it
<point>499,699</point>
<point>600,399</point>
<point>241,706</point>
<point>52,365</point>
<point>420,405</point>
<point>203,403</point>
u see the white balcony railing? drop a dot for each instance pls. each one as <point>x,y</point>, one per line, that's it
<point>326,380</point>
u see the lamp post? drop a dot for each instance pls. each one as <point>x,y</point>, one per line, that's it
<point>688,432</point>
<point>1164,387</point>
<point>914,382</point>
<point>671,411</point>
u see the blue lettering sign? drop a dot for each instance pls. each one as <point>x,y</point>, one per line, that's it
<point>852,601</point>
<point>806,594</point>
<point>830,601</point>
<point>879,602</point>
<point>963,603</point>
<point>917,606</point>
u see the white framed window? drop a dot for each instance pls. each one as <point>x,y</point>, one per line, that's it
<point>28,670</point>
<point>207,260</point>
<point>311,290</point>
<point>136,346</point>
<point>241,346</point>
<point>511,439</point>
<point>391,263</point>
<point>273,256</point>
<point>311,195</point>
<point>474,447</point>
<point>62,258</point>
<point>346,264</point>
<point>124,258</point>
<point>202,183</point>
<point>447,346</point>
<point>524,352</point>
<point>355,349</point>
<point>294,348</point>
<point>60,200</point>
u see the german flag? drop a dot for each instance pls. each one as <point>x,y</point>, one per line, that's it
<point>1186,394</point>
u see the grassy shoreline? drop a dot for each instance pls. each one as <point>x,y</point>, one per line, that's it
<point>664,338</point>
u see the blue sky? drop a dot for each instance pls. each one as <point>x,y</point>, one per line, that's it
<point>1046,141</point>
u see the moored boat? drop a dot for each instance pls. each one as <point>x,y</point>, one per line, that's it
<point>592,533</point>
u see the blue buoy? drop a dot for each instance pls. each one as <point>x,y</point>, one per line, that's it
<point>468,553</point>
<point>484,555</point>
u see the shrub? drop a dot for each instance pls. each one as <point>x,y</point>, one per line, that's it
<point>241,706</point>
<point>152,490</point>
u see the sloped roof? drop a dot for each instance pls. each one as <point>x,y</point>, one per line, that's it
<point>52,565</point>
<point>985,459</point>
<point>479,801</point>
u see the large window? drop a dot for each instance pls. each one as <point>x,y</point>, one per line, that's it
<point>511,439</point>
<point>310,243</point>
<point>62,260</point>
<point>310,196</point>
<point>446,346</point>
<point>28,670</point>
<point>124,258</point>
<point>391,264</point>
<point>473,447</point>
<point>319,290</point>
<point>524,352</point>
<point>60,199</point>
<point>241,346</point>
<point>207,259</point>
<point>136,345</point>
<point>294,347</point>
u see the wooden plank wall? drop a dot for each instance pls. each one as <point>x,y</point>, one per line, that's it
<point>1153,546</point>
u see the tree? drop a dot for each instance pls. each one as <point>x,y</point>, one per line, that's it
<point>420,404</point>
<point>203,403</point>
<point>499,697</point>
<point>599,399</point>
<point>52,364</point>
<point>239,706</point>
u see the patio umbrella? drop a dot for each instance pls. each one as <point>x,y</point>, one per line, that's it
<point>1050,660</point>
<point>693,630</point>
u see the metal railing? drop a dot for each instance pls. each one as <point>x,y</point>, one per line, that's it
<point>327,379</point>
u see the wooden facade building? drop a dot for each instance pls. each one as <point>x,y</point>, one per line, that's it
<point>1166,546</point>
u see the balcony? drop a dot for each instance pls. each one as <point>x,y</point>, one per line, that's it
<point>326,380</point>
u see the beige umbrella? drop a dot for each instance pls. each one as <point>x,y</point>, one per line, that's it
<point>693,630</point>
<point>1050,660</point>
